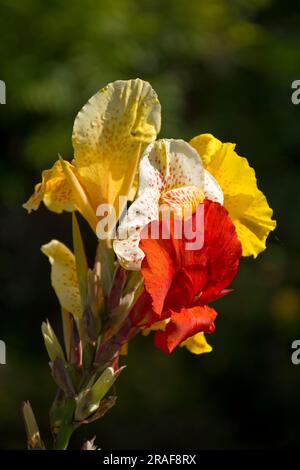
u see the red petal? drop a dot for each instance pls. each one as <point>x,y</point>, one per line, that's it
<point>183,324</point>
<point>223,250</point>
<point>158,267</point>
<point>186,284</point>
<point>175,275</point>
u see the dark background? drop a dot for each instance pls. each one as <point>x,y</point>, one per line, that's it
<point>218,66</point>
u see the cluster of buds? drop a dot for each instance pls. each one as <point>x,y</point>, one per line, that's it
<point>86,367</point>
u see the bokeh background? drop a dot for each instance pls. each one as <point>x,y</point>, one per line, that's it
<point>220,67</point>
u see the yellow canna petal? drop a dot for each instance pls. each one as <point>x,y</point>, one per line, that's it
<point>246,204</point>
<point>53,190</point>
<point>60,190</point>
<point>197,344</point>
<point>63,276</point>
<point>207,146</point>
<point>159,325</point>
<point>79,195</point>
<point>109,134</point>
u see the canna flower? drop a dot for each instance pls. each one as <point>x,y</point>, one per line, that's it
<point>109,134</point>
<point>170,174</point>
<point>246,204</point>
<point>178,288</point>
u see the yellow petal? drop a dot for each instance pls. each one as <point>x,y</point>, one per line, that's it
<point>159,325</point>
<point>63,276</point>
<point>207,146</point>
<point>53,190</point>
<point>109,134</point>
<point>60,190</point>
<point>246,204</point>
<point>78,193</point>
<point>254,225</point>
<point>197,344</point>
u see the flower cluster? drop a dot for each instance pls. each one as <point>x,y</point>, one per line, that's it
<point>141,282</point>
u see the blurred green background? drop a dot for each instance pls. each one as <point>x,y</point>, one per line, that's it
<point>218,66</point>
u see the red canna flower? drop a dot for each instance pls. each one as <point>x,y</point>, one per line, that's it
<point>179,283</point>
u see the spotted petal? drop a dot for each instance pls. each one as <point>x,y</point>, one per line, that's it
<point>63,276</point>
<point>109,134</point>
<point>53,190</point>
<point>170,173</point>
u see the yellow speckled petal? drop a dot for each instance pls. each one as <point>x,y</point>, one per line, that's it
<point>109,134</point>
<point>53,190</point>
<point>246,204</point>
<point>63,276</point>
<point>79,195</point>
<point>197,344</point>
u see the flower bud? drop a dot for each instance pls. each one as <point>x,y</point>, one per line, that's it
<point>62,378</point>
<point>52,345</point>
<point>89,445</point>
<point>34,441</point>
<point>89,400</point>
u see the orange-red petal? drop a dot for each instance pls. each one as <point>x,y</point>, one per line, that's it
<point>184,324</point>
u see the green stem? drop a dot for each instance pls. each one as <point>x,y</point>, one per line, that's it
<point>62,439</point>
<point>61,419</point>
